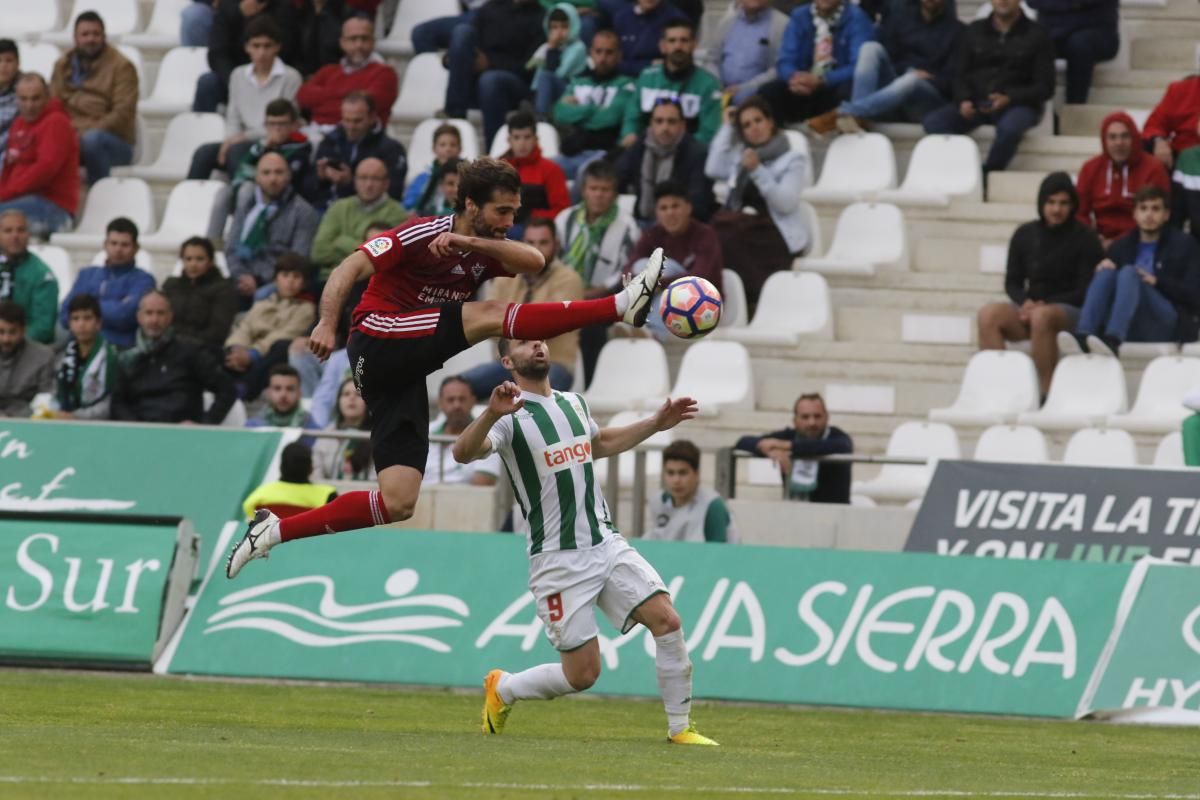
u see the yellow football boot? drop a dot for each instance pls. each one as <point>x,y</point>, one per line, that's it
<point>495,710</point>
<point>691,736</point>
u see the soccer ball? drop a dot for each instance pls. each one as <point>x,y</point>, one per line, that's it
<point>691,307</point>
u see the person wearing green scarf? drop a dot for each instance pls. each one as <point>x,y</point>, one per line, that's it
<point>87,369</point>
<point>597,237</point>
<point>283,409</point>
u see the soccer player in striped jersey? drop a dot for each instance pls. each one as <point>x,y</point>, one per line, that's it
<point>547,441</point>
<point>414,316</point>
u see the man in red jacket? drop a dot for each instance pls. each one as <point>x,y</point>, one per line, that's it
<point>362,69</point>
<point>543,184</point>
<point>1174,125</point>
<point>1108,182</point>
<point>41,167</point>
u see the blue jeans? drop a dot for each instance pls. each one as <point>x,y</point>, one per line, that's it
<point>211,91</point>
<point>1011,124</point>
<point>879,93</point>
<point>499,93</point>
<point>43,216</point>
<point>573,167</point>
<point>195,24</point>
<point>434,34</point>
<point>486,377</point>
<point>1083,50</point>
<point>1119,304</point>
<point>100,151</point>
<point>460,62</point>
<point>549,87</point>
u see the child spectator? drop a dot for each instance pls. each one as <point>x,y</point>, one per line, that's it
<point>87,368</point>
<point>447,145</point>
<point>686,511</point>
<point>559,59</point>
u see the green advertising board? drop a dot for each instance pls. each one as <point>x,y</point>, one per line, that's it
<point>197,472</point>
<point>893,630</point>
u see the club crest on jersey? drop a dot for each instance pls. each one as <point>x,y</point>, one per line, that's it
<point>378,246</point>
<point>477,270</point>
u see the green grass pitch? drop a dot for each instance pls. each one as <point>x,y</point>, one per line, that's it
<point>79,735</point>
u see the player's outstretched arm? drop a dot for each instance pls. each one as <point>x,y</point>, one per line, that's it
<point>611,441</point>
<point>516,257</point>
<point>473,443</point>
<point>354,268</point>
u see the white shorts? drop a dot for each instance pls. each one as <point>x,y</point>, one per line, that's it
<point>568,584</point>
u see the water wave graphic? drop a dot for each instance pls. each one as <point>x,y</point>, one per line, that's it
<point>308,639</point>
<point>387,625</point>
<point>63,504</point>
<point>400,583</point>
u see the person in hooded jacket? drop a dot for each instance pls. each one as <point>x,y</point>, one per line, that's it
<point>1108,182</point>
<point>559,59</point>
<point>1050,262</point>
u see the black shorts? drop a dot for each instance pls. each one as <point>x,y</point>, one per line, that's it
<point>390,375</point>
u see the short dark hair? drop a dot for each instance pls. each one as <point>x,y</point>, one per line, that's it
<point>669,189</point>
<point>282,107</point>
<point>451,165</point>
<point>542,222</point>
<point>478,180</point>
<point>521,121</point>
<point>558,15</point>
<point>122,225</point>
<point>680,22</point>
<point>199,241</point>
<point>503,346</point>
<point>88,16</point>
<point>359,96</point>
<point>1150,192</point>
<point>12,313</point>
<point>601,170</point>
<point>292,262</point>
<point>682,450</point>
<point>295,463</point>
<point>447,129</point>
<point>669,101</point>
<point>263,25</point>
<point>809,397</point>
<point>449,379</point>
<point>84,302</point>
<point>286,370</point>
<point>9,46</point>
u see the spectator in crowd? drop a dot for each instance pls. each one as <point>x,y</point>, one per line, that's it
<point>762,226</point>
<point>25,279</point>
<point>260,340</point>
<point>796,451</point>
<point>10,70</point>
<point>487,61</point>
<point>252,88</point>
<point>447,146</point>
<point>344,225</point>
<point>639,26</point>
<point>1190,430</point>
<point>1185,193</point>
<point>559,59</point>
<point>1003,75</point>
<point>667,152</point>
<point>685,511</point>
<point>359,135</point>
<point>41,174</point>
<point>1148,288</point>
<point>816,62</point>
<point>26,368</point>
<point>556,282</point>
<point>1050,262</point>
<point>283,136</point>
<point>345,459</point>
<point>1174,124</point>
<point>543,185</point>
<point>163,377</point>
<point>195,23</point>
<point>99,89</point>
<point>118,284</point>
<point>1108,182</point>
<point>678,78</point>
<point>1085,32</point>
<point>87,369</point>
<point>225,47</point>
<point>455,402</point>
<point>361,71</point>
<point>589,114</point>
<point>283,409</point>
<point>294,492</point>
<point>203,300</point>
<point>314,31</point>
<point>743,47</point>
<point>436,34</point>
<point>268,222</point>
<point>441,201</point>
<point>906,74</point>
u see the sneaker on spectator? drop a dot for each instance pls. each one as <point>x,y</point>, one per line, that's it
<point>1071,344</point>
<point>824,123</point>
<point>848,123</point>
<point>1104,345</point>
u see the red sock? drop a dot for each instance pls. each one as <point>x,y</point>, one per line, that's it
<point>547,320</point>
<point>346,513</point>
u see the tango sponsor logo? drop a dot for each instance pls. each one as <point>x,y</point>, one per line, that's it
<point>559,457</point>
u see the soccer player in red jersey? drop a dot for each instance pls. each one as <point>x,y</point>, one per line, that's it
<point>413,316</point>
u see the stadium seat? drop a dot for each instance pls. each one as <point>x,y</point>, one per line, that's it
<point>218,259</point>
<point>996,386</point>
<point>175,87</point>
<point>628,372</point>
<point>993,258</point>
<point>1101,447</point>
<point>816,242</point>
<point>1084,391</point>
<point>717,374</point>
<point>734,305</point>
<point>409,15</point>
<point>141,151</point>
<point>797,141</point>
<point>869,236</point>
<point>547,136</point>
<point>423,90</point>
<point>627,461</point>
<point>162,31</point>
<point>194,208</point>
<point>1017,444</point>
<point>1169,452</point>
<point>24,19</point>
<point>59,262</point>
<point>109,198</point>
<point>793,305</point>
<point>420,150</point>
<point>856,167</point>
<point>236,418</point>
<point>185,132</point>
<point>120,17</point>
<point>134,56</point>
<point>39,57</point>
<point>941,168</point>
<point>480,353</point>
<point>1159,405</point>
<point>928,440</point>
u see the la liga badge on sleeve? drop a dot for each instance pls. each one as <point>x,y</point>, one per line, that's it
<point>379,245</point>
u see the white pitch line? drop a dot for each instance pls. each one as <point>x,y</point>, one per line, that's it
<point>556,787</point>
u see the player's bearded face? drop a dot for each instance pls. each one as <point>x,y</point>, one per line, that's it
<point>493,219</point>
<point>531,360</point>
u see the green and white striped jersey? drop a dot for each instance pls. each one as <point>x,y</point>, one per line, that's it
<point>546,448</point>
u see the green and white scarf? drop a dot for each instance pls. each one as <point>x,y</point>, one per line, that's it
<point>823,57</point>
<point>584,249</point>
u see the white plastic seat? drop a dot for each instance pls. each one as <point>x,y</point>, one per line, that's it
<point>793,305</point>
<point>1159,405</point>
<point>480,353</point>
<point>799,142</point>
<point>941,168</point>
<point>869,236</point>
<point>162,31</point>
<point>996,386</point>
<point>1101,447</point>
<point>1169,452</point>
<point>134,56</point>
<point>628,372</point>
<point>547,136</point>
<point>107,199</point>
<point>194,208</point>
<point>717,374</point>
<point>734,305</point>
<point>1016,444</point>
<point>185,132</point>
<point>39,57</point>
<point>1084,391</point>
<point>409,15</point>
<point>175,86</point>
<point>423,90</point>
<point>59,262</point>
<point>856,166</point>
<point>928,440</point>
<point>627,203</point>
<point>23,18</point>
<point>626,461</point>
<point>120,17</point>
<point>420,146</point>
<point>816,242</point>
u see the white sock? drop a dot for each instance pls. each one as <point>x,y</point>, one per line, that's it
<point>674,670</point>
<point>543,682</point>
<point>273,535</point>
<point>622,301</point>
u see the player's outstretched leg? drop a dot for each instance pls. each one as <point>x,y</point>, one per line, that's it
<point>673,669</point>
